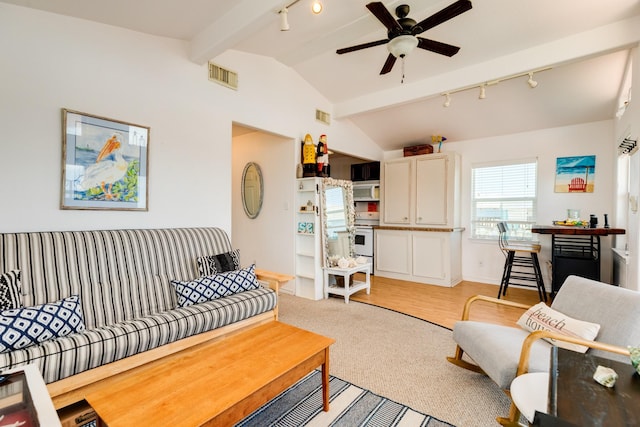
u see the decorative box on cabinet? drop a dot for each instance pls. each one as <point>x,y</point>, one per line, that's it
<point>431,256</point>
<point>309,275</point>
<point>422,191</point>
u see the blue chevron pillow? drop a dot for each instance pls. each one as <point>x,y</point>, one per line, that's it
<point>23,327</point>
<point>207,288</point>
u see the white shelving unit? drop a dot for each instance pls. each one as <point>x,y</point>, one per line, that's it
<point>309,278</point>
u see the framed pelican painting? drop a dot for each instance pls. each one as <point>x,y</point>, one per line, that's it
<point>104,163</point>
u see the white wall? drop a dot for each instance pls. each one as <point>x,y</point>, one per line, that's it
<point>54,62</point>
<point>268,239</point>
<point>483,263</point>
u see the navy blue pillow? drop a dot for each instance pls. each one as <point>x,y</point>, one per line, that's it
<point>24,327</point>
<point>207,288</point>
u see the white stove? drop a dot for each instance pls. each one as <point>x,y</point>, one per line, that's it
<point>364,223</point>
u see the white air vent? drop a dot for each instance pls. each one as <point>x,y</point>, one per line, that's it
<point>223,76</point>
<point>323,117</point>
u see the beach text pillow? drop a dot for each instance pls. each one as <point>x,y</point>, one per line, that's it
<point>543,317</point>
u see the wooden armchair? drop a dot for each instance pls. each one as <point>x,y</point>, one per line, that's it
<point>504,352</point>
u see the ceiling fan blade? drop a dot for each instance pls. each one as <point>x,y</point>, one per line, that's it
<point>361,46</point>
<point>388,64</point>
<point>380,11</point>
<point>437,47</point>
<point>445,14</point>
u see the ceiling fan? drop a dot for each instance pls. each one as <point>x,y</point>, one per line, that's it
<point>402,34</point>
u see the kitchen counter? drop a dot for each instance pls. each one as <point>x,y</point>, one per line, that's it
<point>431,229</point>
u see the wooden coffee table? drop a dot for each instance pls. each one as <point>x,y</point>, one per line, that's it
<point>214,383</point>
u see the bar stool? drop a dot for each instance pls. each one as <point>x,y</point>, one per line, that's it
<point>520,267</point>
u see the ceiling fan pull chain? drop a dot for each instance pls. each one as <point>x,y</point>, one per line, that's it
<point>402,80</point>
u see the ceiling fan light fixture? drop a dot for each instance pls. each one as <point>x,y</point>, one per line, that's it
<point>532,83</point>
<point>447,100</point>
<point>316,7</point>
<point>284,19</point>
<point>402,45</point>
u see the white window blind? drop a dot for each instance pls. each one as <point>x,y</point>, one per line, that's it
<point>504,192</point>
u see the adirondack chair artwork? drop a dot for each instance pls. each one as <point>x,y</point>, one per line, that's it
<point>577,185</point>
<point>575,174</point>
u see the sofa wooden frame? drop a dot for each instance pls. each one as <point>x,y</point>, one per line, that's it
<point>72,389</point>
<point>523,365</point>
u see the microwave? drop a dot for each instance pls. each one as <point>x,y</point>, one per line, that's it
<point>366,191</point>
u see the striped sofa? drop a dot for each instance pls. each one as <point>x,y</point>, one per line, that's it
<point>123,280</point>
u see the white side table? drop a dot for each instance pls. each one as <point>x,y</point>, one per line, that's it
<point>530,393</point>
<point>39,395</point>
<point>346,273</point>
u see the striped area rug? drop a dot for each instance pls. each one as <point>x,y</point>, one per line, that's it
<point>350,406</point>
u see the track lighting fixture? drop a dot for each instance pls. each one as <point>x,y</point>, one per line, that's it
<point>447,100</point>
<point>316,7</point>
<point>483,86</point>
<point>483,91</point>
<point>284,19</point>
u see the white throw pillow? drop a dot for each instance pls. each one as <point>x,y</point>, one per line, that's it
<point>543,317</point>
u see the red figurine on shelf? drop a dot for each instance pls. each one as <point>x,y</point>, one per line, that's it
<point>322,158</point>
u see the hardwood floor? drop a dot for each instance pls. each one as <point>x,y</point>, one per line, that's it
<point>441,305</point>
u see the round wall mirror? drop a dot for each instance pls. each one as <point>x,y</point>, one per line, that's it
<point>252,189</point>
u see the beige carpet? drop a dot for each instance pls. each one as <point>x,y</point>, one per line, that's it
<point>399,357</point>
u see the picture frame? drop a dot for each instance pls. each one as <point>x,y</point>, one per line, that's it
<point>575,174</point>
<point>104,163</point>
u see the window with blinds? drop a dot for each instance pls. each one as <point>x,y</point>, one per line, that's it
<point>504,191</point>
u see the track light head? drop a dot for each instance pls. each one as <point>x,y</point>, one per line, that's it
<point>447,101</point>
<point>316,7</point>
<point>483,92</point>
<point>284,19</point>
<point>532,83</point>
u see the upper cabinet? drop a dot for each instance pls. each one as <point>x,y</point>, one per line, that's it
<point>422,191</point>
<point>369,171</point>
<point>396,191</point>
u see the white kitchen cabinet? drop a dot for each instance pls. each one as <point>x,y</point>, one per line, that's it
<point>431,256</point>
<point>309,279</point>
<point>396,191</point>
<point>422,191</point>
<point>393,251</point>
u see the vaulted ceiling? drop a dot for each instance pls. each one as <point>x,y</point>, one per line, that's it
<point>583,46</point>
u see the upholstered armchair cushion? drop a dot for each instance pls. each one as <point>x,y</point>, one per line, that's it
<point>496,349</point>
